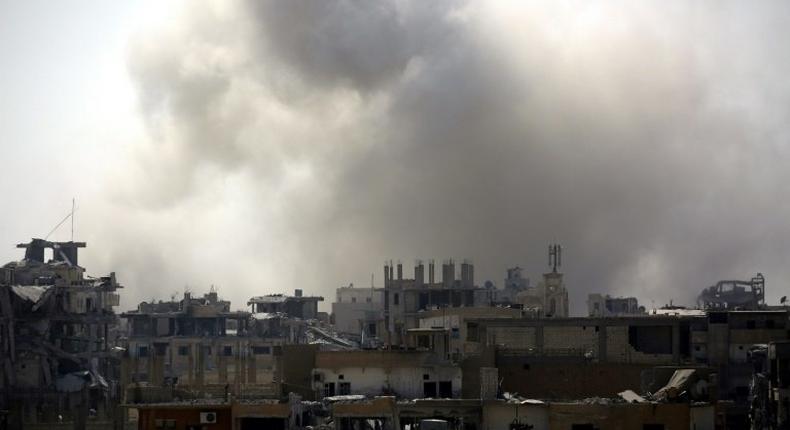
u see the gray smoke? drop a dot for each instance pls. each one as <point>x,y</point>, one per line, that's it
<point>299,144</point>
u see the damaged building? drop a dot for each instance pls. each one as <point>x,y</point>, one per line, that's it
<point>197,344</point>
<point>734,294</point>
<point>359,314</point>
<point>57,334</point>
<point>599,305</point>
<point>404,298</point>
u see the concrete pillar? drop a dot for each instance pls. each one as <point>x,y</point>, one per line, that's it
<point>676,342</point>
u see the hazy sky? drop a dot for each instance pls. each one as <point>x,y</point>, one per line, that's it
<point>264,146</point>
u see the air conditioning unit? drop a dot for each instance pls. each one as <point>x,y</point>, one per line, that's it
<point>208,418</point>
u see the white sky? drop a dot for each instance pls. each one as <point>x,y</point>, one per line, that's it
<point>67,108</point>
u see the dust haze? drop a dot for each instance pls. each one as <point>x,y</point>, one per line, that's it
<point>299,144</point>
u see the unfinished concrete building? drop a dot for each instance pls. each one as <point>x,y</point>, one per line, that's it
<point>404,298</point>
<point>56,335</point>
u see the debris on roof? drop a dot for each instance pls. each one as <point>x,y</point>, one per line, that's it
<point>631,397</point>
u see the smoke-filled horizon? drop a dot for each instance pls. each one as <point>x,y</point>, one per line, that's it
<point>301,144</point>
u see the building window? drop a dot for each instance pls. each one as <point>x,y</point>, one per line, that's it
<point>372,329</point>
<point>751,325</point>
<point>769,324</point>
<point>429,390</point>
<point>261,350</point>
<point>455,333</point>
<point>446,389</point>
<point>142,351</point>
<point>423,341</point>
<point>472,334</point>
<point>344,388</point>
<point>183,350</point>
<point>329,389</point>
<point>227,351</point>
<point>353,300</point>
<point>368,300</point>
<point>653,427</point>
<point>396,299</point>
<point>340,377</point>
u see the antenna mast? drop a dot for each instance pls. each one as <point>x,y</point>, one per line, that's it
<point>72,219</point>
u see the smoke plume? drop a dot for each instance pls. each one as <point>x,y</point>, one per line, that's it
<point>300,144</point>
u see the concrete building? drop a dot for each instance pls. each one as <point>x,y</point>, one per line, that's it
<point>296,306</point>
<point>57,340</point>
<point>188,344</point>
<point>599,305</point>
<point>359,312</point>
<point>404,298</point>
<point>404,374</point>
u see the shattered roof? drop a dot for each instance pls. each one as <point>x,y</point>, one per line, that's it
<point>280,298</point>
<point>32,293</point>
<point>267,315</point>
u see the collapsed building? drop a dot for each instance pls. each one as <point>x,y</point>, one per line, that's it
<point>734,294</point>
<point>599,305</point>
<point>57,335</point>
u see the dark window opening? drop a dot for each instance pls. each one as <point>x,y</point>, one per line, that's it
<point>446,389</point>
<point>372,329</point>
<point>651,339</point>
<point>260,350</point>
<point>183,350</point>
<point>583,427</point>
<point>340,377</point>
<point>429,390</point>
<point>717,317</point>
<point>424,301</point>
<point>770,324</point>
<point>472,334</point>
<point>426,376</point>
<point>526,366</point>
<point>653,427</point>
<point>142,351</point>
<point>227,351</point>
<point>423,341</point>
<point>344,388</point>
<point>329,389</point>
<point>751,324</point>
<point>396,299</point>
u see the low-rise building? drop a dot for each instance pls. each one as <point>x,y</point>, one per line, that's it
<point>404,374</point>
<point>359,313</point>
